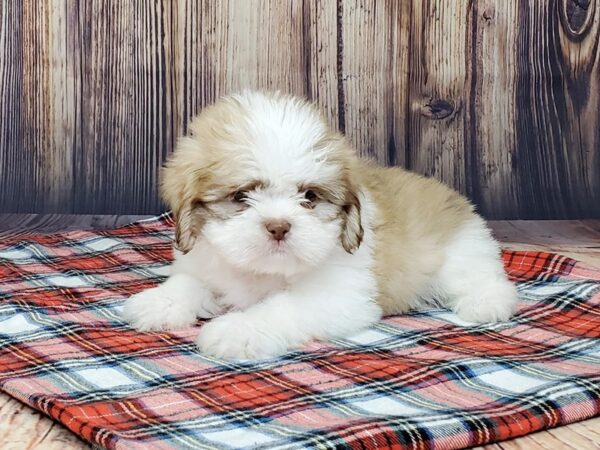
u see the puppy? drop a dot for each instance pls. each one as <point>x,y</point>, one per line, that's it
<point>286,236</point>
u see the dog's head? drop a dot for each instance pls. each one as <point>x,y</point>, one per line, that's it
<point>265,180</point>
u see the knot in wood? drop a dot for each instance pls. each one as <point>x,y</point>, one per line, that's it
<point>488,14</point>
<point>577,17</point>
<point>437,109</point>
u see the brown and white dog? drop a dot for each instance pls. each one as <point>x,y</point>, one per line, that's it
<point>287,236</point>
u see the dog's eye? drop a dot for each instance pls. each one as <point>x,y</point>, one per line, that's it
<point>240,196</point>
<point>310,196</point>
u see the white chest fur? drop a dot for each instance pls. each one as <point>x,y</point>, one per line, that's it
<point>232,286</point>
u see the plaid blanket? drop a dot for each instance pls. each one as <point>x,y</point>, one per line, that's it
<point>419,380</point>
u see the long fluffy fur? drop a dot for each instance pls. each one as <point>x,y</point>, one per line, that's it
<point>375,241</point>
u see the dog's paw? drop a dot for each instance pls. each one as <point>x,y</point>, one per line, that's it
<point>496,303</point>
<point>237,336</point>
<point>158,309</point>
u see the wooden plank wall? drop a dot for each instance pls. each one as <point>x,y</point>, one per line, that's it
<point>500,99</point>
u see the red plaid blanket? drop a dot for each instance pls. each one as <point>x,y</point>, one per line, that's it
<point>419,380</point>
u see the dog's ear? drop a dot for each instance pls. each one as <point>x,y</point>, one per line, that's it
<point>189,220</point>
<point>347,191</point>
<point>180,188</point>
<point>352,230</point>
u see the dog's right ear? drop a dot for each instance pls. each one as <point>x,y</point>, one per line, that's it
<point>189,220</point>
<point>180,188</point>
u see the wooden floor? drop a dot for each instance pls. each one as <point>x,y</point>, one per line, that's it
<point>23,428</point>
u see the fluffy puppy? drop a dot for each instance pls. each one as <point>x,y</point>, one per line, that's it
<point>286,236</point>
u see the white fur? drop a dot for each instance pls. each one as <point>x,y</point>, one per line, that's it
<point>472,280</point>
<point>335,300</point>
<point>270,313</point>
<point>174,304</point>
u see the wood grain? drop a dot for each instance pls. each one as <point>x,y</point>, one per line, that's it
<point>11,87</point>
<point>491,119</point>
<point>15,224</point>
<point>265,49</point>
<point>439,83</point>
<point>228,46</point>
<point>578,48</point>
<point>127,97</point>
<point>22,428</point>
<point>558,109</point>
<point>37,108</point>
<point>321,32</point>
<point>500,100</point>
<point>374,57</point>
<point>577,239</point>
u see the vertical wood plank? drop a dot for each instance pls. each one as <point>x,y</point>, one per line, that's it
<point>35,78</point>
<point>200,51</point>
<point>34,139</point>
<point>558,109</point>
<point>320,33</point>
<point>63,109</point>
<point>579,39</point>
<point>38,107</point>
<point>127,102</point>
<point>439,86</point>
<point>15,171</point>
<point>228,46</point>
<point>265,47</point>
<point>491,118</point>
<point>374,76</point>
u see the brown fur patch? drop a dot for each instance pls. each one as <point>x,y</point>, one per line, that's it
<point>417,216</point>
<point>189,224</point>
<point>352,231</point>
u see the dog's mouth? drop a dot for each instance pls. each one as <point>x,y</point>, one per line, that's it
<point>279,247</point>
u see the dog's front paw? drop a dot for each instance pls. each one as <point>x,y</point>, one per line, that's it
<point>237,336</point>
<point>158,309</point>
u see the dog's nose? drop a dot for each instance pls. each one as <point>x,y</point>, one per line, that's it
<point>278,228</point>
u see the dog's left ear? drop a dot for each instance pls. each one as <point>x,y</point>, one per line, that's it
<point>352,230</point>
